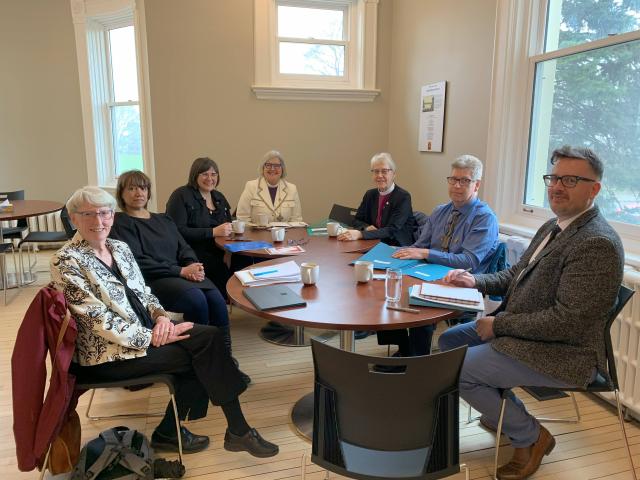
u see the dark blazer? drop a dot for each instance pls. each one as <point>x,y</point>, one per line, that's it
<point>397,222</point>
<point>553,315</point>
<point>189,211</point>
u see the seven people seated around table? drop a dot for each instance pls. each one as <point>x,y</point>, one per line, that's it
<point>124,332</point>
<point>548,331</point>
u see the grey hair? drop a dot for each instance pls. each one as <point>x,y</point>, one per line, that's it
<point>579,153</point>
<point>383,157</point>
<point>268,156</point>
<point>93,195</point>
<point>469,162</point>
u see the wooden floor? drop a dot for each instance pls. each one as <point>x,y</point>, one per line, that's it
<point>592,449</point>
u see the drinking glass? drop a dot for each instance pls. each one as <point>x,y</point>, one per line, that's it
<point>393,285</point>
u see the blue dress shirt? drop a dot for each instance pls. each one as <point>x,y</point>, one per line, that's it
<point>474,239</point>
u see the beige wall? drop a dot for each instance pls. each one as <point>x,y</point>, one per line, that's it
<point>41,140</point>
<point>436,40</point>
<point>201,69</point>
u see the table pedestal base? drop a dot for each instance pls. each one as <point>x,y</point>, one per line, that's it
<point>302,416</point>
<point>296,336</point>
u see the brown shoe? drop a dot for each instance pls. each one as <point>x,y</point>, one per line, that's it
<point>526,461</point>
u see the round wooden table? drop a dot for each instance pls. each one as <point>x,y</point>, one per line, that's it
<point>25,209</point>
<point>337,302</point>
<point>276,332</point>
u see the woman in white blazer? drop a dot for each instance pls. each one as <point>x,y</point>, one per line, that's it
<point>270,194</point>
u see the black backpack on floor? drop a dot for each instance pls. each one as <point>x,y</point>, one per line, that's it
<point>117,453</point>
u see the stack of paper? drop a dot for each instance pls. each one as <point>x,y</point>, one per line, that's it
<point>285,250</point>
<point>446,296</point>
<point>281,273</point>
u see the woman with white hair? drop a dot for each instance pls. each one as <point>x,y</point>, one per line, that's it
<point>270,193</point>
<point>123,332</point>
<point>385,212</point>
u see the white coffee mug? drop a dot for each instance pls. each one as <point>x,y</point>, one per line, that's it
<point>333,229</point>
<point>262,219</point>
<point>277,234</point>
<point>363,271</point>
<point>237,226</point>
<point>310,273</point>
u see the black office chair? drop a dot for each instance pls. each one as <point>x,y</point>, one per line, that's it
<point>604,382</point>
<point>373,425</point>
<point>165,379</point>
<point>45,237</point>
<point>15,233</point>
<point>342,214</point>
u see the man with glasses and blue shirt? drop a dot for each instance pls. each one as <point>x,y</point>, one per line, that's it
<point>549,330</point>
<point>462,233</point>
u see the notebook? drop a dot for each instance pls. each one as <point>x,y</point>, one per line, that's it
<point>273,296</point>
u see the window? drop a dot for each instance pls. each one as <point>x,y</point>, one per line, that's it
<point>586,92</point>
<point>565,72</point>
<point>123,107</point>
<point>315,49</point>
<point>110,45</point>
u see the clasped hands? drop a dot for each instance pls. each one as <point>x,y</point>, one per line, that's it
<point>165,331</point>
<point>347,235</point>
<point>193,272</point>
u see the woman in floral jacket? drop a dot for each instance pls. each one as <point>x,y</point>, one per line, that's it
<point>123,331</point>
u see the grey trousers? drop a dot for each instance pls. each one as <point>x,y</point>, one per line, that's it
<point>485,373</point>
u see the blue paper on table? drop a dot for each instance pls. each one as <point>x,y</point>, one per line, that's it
<point>381,257</point>
<point>242,246</point>
<point>427,272</point>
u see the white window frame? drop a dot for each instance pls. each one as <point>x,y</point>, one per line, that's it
<point>358,82</point>
<point>92,21</point>
<point>519,45</point>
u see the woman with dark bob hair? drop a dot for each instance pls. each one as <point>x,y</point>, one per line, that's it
<point>124,333</point>
<point>169,265</point>
<point>202,213</point>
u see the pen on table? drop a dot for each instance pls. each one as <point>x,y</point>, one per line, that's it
<point>264,273</point>
<point>403,309</point>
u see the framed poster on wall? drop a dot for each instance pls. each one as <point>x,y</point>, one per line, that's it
<point>432,100</point>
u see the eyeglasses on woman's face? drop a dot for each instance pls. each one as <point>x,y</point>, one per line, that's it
<point>273,166</point>
<point>104,214</point>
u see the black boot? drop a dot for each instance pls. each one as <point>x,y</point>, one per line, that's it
<point>226,333</point>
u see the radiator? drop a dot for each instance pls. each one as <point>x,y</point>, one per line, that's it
<point>625,334</point>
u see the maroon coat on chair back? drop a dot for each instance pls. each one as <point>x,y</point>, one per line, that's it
<point>36,424</point>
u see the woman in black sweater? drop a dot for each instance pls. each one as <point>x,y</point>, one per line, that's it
<point>169,265</point>
<point>202,213</point>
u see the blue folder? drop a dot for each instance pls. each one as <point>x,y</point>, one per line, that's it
<point>381,257</point>
<point>427,272</point>
<point>242,246</point>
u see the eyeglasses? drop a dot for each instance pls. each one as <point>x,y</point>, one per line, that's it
<point>381,171</point>
<point>300,241</point>
<point>103,214</point>
<point>569,181</point>
<point>209,174</point>
<point>273,166</point>
<point>463,182</point>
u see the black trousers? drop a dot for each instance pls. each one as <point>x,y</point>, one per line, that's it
<point>200,363</point>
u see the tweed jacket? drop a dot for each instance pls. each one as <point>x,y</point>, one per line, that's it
<point>108,328</point>
<point>256,199</point>
<point>553,315</point>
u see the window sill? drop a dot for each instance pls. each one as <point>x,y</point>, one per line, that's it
<point>321,94</point>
